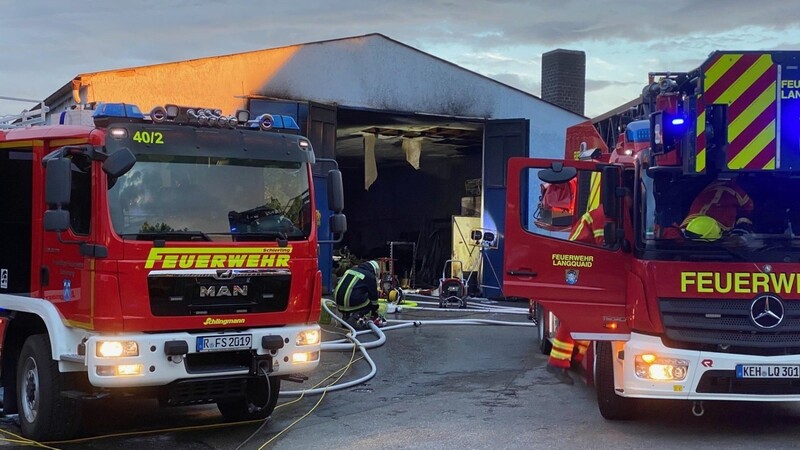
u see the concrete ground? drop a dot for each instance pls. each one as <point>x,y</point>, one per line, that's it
<point>443,387</point>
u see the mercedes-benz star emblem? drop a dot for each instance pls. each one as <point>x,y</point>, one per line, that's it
<point>767,311</point>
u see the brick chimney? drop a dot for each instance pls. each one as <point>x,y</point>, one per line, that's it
<point>564,79</point>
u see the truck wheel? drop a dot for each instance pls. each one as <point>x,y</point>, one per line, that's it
<point>262,396</point>
<point>44,414</point>
<point>543,333</point>
<point>612,406</point>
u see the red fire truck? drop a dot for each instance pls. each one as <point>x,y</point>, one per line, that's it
<point>676,315</point>
<point>171,255</point>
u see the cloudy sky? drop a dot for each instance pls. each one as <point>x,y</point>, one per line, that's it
<point>44,44</point>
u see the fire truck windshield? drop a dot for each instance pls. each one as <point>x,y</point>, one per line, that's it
<point>758,214</point>
<point>177,197</point>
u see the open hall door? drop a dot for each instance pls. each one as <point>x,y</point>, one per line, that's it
<point>554,255</point>
<point>322,134</point>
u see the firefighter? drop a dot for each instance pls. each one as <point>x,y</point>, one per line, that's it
<point>589,230</point>
<point>720,207</point>
<point>356,294</point>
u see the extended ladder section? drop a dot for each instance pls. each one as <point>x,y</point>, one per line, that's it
<point>35,116</point>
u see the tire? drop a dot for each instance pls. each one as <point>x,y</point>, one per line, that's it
<point>262,396</point>
<point>542,331</point>
<point>44,414</point>
<point>612,406</point>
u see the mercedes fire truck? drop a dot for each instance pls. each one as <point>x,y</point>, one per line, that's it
<point>674,315</point>
<point>170,255</point>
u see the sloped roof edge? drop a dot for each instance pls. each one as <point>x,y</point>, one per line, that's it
<point>68,87</point>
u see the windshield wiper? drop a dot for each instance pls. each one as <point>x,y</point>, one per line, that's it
<point>252,215</point>
<point>168,235</point>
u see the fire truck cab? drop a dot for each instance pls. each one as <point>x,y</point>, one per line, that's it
<point>169,255</point>
<point>677,314</point>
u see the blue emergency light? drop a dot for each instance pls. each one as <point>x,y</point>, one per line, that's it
<point>124,110</point>
<point>675,125</point>
<point>104,113</point>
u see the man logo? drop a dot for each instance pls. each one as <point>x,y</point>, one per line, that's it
<point>223,291</point>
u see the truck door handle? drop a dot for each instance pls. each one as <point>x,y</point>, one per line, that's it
<point>521,273</point>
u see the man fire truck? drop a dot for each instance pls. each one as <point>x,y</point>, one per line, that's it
<point>681,317</point>
<point>171,255</point>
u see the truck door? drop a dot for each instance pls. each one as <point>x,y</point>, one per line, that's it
<point>584,284</point>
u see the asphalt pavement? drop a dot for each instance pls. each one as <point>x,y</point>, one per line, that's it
<point>441,387</point>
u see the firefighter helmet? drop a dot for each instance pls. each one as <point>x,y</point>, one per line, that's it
<point>376,267</point>
<point>703,228</point>
<point>395,295</point>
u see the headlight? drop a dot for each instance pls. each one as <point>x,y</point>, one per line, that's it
<point>651,367</point>
<point>116,349</point>
<point>308,337</point>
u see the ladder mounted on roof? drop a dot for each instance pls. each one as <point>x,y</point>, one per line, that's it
<point>27,118</point>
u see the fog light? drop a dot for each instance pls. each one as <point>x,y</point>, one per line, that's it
<point>116,349</point>
<point>651,367</point>
<point>305,357</point>
<point>124,370</point>
<point>308,337</point>
<point>106,371</point>
<point>129,369</point>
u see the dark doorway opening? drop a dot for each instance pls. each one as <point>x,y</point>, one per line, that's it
<point>405,203</point>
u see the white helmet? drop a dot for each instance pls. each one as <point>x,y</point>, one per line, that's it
<point>376,267</point>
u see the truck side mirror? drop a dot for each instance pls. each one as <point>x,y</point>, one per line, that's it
<point>119,163</point>
<point>557,173</point>
<point>56,220</point>
<point>57,193</point>
<point>58,183</point>
<point>610,184</point>
<point>335,192</point>
<point>338,223</point>
<point>666,131</point>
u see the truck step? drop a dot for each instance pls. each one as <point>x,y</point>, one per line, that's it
<point>73,357</point>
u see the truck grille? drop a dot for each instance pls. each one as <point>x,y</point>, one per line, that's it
<point>207,292</point>
<point>725,325</point>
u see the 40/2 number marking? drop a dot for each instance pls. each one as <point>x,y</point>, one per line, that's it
<point>148,137</point>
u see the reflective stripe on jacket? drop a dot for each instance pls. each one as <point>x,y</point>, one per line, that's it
<point>356,289</point>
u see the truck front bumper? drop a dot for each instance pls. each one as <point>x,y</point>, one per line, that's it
<point>161,358</point>
<point>709,375</point>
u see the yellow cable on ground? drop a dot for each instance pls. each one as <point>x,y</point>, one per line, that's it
<point>161,430</point>
<point>176,429</point>
<point>25,441</point>
<point>343,370</point>
<point>321,381</point>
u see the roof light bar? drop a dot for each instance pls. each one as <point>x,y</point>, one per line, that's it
<point>119,112</point>
<point>212,117</point>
